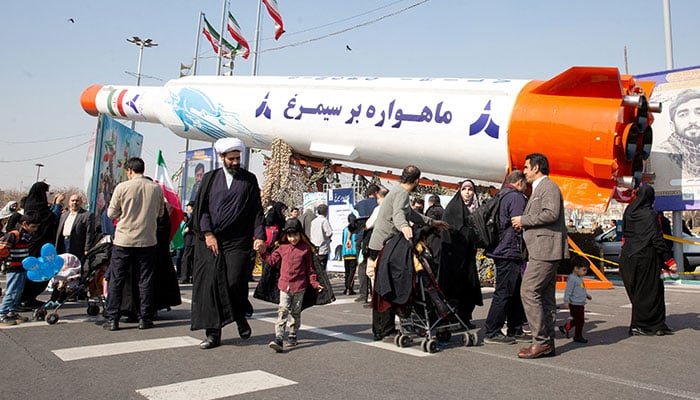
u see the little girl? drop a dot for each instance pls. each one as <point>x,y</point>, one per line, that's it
<point>295,258</point>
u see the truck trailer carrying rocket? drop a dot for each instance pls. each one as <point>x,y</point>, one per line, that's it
<point>593,124</point>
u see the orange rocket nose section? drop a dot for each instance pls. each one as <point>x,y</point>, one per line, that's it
<point>87,100</point>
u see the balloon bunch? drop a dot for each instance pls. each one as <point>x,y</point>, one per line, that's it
<point>45,267</point>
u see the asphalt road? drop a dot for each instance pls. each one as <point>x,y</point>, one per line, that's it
<point>336,358</point>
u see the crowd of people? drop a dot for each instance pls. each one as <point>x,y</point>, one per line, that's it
<point>226,228</point>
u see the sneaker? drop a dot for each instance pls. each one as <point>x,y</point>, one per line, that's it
<point>292,340</point>
<point>580,340</point>
<point>5,321</point>
<point>565,331</point>
<point>18,318</point>
<point>499,338</point>
<point>521,337</point>
<point>276,345</point>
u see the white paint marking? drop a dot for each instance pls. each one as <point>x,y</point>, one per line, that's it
<point>217,387</point>
<point>592,375</point>
<point>110,349</point>
<point>71,319</point>
<point>411,351</point>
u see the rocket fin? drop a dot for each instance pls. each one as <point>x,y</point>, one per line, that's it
<point>601,82</point>
<point>583,194</point>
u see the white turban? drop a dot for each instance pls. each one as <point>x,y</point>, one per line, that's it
<point>229,144</point>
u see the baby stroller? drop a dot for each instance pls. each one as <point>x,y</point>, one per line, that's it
<point>76,281</point>
<point>429,315</point>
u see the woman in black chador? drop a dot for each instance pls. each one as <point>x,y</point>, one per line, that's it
<point>457,275</point>
<point>643,254</point>
<point>37,202</point>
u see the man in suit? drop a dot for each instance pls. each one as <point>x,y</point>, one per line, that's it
<point>545,235</point>
<point>76,230</point>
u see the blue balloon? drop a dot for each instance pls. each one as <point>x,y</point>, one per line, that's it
<point>45,267</point>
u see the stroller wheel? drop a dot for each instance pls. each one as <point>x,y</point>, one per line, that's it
<point>424,345</point>
<point>52,319</point>
<point>433,346</point>
<point>402,340</point>
<point>470,339</point>
<point>93,309</point>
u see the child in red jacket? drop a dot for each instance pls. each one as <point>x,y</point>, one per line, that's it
<point>295,258</point>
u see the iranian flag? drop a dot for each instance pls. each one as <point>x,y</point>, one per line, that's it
<point>235,31</point>
<point>214,37</point>
<point>172,202</point>
<point>274,10</point>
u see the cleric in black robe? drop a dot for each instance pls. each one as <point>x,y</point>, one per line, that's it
<point>38,203</point>
<point>642,256</point>
<point>227,206</point>
<point>457,275</point>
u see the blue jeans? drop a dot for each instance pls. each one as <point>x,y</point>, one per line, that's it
<point>13,291</point>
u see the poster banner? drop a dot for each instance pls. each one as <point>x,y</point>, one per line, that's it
<point>675,152</point>
<point>197,163</point>
<point>314,199</point>
<point>340,205</point>
<point>114,145</point>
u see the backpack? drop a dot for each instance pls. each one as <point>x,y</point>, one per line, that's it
<point>485,221</point>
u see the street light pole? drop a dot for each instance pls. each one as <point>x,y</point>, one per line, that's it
<point>38,168</point>
<point>141,43</point>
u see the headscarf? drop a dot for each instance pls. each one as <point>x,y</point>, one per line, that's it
<point>6,211</point>
<point>38,203</point>
<point>37,200</point>
<point>640,222</point>
<point>275,215</point>
<point>474,202</point>
<point>456,214</point>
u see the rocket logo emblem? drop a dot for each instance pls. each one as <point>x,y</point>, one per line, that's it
<point>132,103</point>
<point>263,109</point>
<point>485,123</point>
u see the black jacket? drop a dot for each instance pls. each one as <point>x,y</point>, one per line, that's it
<point>394,281</point>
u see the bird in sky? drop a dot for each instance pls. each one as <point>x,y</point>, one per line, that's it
<point>71,20</point>
<point>347,48</point>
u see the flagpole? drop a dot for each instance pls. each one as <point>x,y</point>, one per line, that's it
<point>196,45</point>
<point>257,41</point>
<point>221,38</point>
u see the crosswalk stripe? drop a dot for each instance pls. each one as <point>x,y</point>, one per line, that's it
<point>216,387</point>
<point>412,351</point>
<point>109,349</point>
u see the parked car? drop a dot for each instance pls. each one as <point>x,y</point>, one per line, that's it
<point>610,244</point>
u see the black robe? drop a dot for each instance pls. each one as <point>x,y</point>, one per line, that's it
<point>38,203</point>
<point>641,259</point>
<point>457,275</point>
<point>267,289</point>
<point>212,301</point>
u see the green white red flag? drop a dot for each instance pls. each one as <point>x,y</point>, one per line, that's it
<point>235,30</point>
<point>274,10</point>
<point>213,36</point>
<point>172,201</point>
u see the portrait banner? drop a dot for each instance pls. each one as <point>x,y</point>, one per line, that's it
<point>197,163</point>
<point>675,151</point>
<point>114,145</point>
